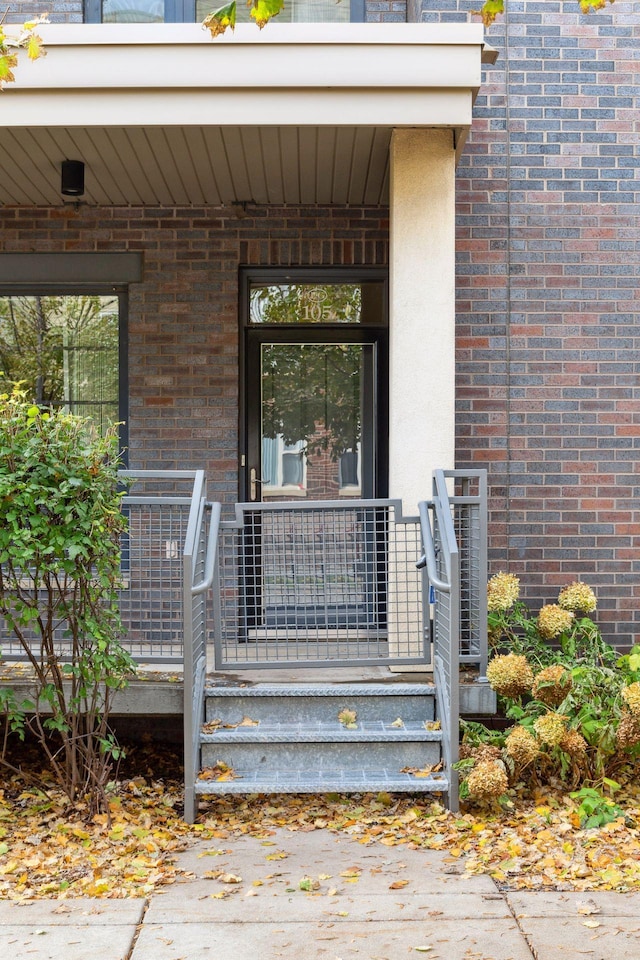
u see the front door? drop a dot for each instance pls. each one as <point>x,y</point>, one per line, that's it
<point>315,430</point>
<point>315,389</point>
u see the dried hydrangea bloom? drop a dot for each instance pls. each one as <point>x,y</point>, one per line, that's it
<point>578,596</point>
<point>631,696</point>
<point>553,620</point>
<point>486,751</point>
<point>488,780</point>
<point>628,732</point>
<point>510,675</point>
<point>502,592</point>
<point>521,746</point>
<point>574,744</point>
<point>552,685</point>
<point>551,728</point>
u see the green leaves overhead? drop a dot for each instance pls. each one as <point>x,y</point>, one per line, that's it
<point>218,20</point>
<point>26,39</point>
<point>261,11</point>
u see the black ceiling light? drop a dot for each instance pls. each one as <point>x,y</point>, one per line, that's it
<point>72,183</point>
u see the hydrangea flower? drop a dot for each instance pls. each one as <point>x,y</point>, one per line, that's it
<point>510,675</point>
<point>577,597</point>
<point>552,685</point>
<point>553,620</point>
<point>487,781</point>
<point>521,746</point>
<point>551,728</point>
<point>502,592</point>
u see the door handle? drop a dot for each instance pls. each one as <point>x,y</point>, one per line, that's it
<point>254,480</point>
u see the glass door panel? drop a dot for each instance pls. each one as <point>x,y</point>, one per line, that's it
<point>312,413</point>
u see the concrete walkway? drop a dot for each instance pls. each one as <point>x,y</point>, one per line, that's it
<point>246,900</point>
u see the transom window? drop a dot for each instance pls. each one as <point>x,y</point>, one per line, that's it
<point>190,11</point>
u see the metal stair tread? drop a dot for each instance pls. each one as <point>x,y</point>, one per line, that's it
<point>341,690</point>
<point>329,781</point>
<point>323,732</point>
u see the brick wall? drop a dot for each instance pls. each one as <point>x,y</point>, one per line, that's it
<point>183,317</point>
<point>386,11</point>
<point>59,11</point>
<point>548,279</point>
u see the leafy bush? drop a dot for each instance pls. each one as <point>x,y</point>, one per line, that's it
<point>574,702</point>
<point>60,527</point>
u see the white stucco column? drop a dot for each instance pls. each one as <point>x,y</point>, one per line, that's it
<point>422,311</point>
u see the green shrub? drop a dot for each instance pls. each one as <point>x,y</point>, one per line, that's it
<point>60,528</point>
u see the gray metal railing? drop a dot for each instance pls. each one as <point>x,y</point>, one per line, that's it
<point>150,597</point>
<point>326,581</point>
<point>453,528</point>
<point>200,570</point>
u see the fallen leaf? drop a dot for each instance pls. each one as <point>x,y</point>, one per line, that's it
<point>587,907</point>
<point>348,719</point>
<point>309,883</point>
<point>398,884</point>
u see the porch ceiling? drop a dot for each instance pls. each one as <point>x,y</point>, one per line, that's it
<point>198,165</point>
<point>161,114</point>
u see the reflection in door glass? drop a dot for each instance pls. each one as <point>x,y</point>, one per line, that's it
<point>311,416</point>
<point>306,303</point>
<point>64,351</point>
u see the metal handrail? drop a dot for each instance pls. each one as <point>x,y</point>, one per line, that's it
<point>429,557</point>
<point>212,551</point>
<point>195,647</point>
<point>446,649</point>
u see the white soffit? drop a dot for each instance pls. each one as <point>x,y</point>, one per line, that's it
<point>162,114</point>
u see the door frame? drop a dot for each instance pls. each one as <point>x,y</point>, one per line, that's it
<point>377,335</point>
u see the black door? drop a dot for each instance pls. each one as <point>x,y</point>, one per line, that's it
<point>315,430</point>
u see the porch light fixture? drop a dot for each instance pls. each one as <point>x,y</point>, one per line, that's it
<point>72,180</point>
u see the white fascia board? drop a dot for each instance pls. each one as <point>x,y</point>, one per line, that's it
<point>154,108</point>
<point>169,56</point>
<point>287,74</point>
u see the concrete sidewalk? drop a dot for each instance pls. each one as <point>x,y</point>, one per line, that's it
<point>363,902</point>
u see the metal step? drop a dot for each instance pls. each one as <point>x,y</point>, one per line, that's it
<point>309,745</point>
<point>322,781</point>
<point>288,738</point>
<point>310,702</point>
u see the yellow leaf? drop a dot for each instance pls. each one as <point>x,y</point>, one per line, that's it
<point>398,884</point>
<point>34,47</point>
<point>219,20</point>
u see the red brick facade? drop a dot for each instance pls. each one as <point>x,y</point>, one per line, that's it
<point>183,317</point>
<point>548,385</point>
